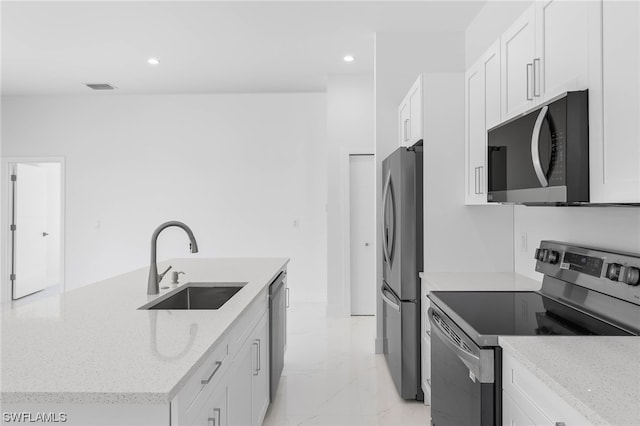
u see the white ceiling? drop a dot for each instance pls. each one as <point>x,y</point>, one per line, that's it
<point>204,47</point>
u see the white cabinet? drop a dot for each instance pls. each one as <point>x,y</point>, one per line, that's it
<point>482,111</point>
<point>240,387</point>
<point>561,62</point>
<point>528,401</point>
<point>260,371</point>
<point>518,50</point>
<point>614,107</point>
<point>546,52</point>
<point>410,115</point>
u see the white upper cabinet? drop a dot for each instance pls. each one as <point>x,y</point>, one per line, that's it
<point>561,61</point>
<point>614,106</point>
<point>410,115</point>
<point>518,52</point>
<point>482,111</point>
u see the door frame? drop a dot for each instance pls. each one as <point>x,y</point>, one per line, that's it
<point>6,208</point>
<point>346,222</point>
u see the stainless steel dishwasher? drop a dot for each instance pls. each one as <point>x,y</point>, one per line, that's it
<point>277,329</point>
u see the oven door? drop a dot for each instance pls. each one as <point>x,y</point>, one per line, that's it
<point>463,385</point>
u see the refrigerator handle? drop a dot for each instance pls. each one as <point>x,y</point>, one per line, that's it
<point>385,194</point>
<point>387,299</point>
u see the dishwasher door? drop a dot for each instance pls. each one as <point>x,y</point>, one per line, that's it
<point>277,330</point>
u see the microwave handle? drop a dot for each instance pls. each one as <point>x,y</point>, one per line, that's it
<point>535,147</point>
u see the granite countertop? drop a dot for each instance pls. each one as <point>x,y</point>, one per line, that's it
<point>598,376</point>
<point>93,345</point>
<point>478,281</point>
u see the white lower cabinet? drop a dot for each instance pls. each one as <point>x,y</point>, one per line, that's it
<point>232,385</point>
<point>526,400</point>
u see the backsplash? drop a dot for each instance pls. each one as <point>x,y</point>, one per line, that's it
<point>614,228</point>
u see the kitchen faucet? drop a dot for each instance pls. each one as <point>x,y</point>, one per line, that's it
<point>154,277</point>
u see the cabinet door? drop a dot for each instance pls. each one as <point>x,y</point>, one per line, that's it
<point>561,63</point>
<point>518,50</point>
<point>218,408</point>
<point>415,112</point>
<point>513,415</point>
<point>475,134</point>
<point>260,371</point>
<point>239,387</point>
<point>404,117</point>
<point>614,131</point>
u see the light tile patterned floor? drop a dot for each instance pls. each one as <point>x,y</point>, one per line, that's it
<point>333,377</point>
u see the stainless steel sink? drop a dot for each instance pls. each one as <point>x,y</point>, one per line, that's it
<point>197,296</point>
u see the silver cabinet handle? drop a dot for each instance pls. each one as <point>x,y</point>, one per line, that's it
<point>476,188</point>
<point>529,69</point>
<point>480,180</point>
<point>536,77</point>
<point>215,370</point>
<point>256,343</point>
<point>406,129</point>
<point>286,297</point>
<point>560,424</point>
<point>213,421</point>
<point>535,147</point>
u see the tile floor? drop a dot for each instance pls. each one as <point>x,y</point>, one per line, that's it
<point>333,377</point>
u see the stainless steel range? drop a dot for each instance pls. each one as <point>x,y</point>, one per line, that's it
<point>585,291</point>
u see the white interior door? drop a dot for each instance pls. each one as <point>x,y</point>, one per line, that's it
<point>30,235</point>
<point>362,234</point>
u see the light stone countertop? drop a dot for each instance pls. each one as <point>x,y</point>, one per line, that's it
<point>599,376</point>
<point>93,345</point>
<point>478,281</point>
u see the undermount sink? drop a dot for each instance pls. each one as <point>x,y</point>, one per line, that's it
<point>198,296</point>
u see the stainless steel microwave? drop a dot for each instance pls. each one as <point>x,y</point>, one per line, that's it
<point>542,157</point>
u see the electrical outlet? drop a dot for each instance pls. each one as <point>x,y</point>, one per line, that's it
<point>523,242</point>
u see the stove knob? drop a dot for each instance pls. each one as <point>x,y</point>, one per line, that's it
<point>553,256</point>
<point>544,253</point>
<point>613,271</point>
<point>632,276</point>
<point>537,255</point>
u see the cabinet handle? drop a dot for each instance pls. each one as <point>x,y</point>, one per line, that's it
<point>286,297</point>
<point>480,180</point>
<point>256,343</point>
<point>429,381</point>
<point>428,333</point>
<point>215,370</point>
<point>476,189</point>
<point>408,126</point>
<point>529,69</point>
<point>212,421</point>
<point>536,77</point>
<point>560,424</point>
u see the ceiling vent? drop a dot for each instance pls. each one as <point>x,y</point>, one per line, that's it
<point>100,86</point>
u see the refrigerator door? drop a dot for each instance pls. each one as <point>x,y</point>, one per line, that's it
<point>402,222</point>
<point>401,351</point>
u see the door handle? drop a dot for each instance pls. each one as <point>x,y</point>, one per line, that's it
<point>390,302</point>
<point>44,234</point>
<point>535,147</point>
<point>529,69</point>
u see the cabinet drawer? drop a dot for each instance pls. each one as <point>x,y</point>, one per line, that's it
<point>530,392</point>
<point>210,371</point>
<point>241,330</point>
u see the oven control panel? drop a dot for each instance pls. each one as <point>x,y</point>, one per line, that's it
<point>609,272</point>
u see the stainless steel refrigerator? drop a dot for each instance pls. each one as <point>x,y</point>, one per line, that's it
<point>402,247</point>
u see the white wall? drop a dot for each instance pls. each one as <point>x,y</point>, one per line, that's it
<point>492,20</point>
<point>349,131</point>
<point>238,169</point>
<point>457,238</point>
<point>616,228</point>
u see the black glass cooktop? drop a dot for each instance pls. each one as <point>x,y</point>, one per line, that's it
<point>526,313</point>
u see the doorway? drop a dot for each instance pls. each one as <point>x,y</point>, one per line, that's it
<point>362,268</point>
<point>36,228</point>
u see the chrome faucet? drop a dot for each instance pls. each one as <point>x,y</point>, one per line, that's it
<point>154,277</point>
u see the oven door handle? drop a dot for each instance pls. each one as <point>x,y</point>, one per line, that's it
<point>470,360</point>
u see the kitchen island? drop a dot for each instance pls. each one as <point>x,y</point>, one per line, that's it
<point>92,355</point>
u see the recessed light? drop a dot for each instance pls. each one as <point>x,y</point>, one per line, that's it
<point>349,58</point>
<point>153,61</point>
